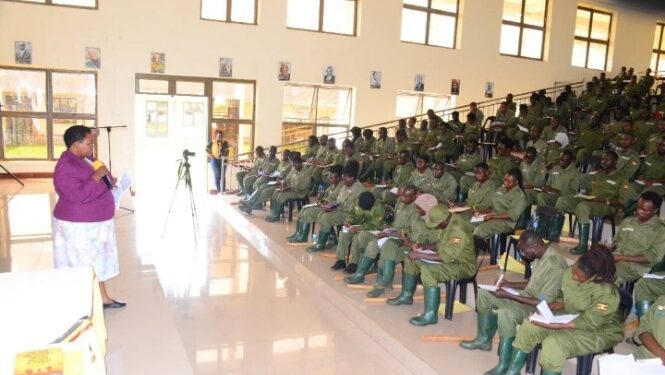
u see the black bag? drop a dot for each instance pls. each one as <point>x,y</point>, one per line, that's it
<point>548,221</point>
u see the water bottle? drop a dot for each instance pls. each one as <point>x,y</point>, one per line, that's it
<point>315,237</point>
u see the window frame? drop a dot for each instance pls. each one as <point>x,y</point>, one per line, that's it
<point>421,101</point>
<point>660,51</point>
<point>521,25</point>
<point>428,10</point>
<point>49,115</point>
<point>589,39</point>
<point>321,15</point>
<point>50,3</point>
<point>314,105</point>
<point>229,8</point>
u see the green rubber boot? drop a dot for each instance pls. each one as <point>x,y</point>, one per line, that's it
<point>431,314</point>
<point>545,372</point>
<point>386,280</point>
<point>517,362</point>
<point>361,271</point>
<point>332,240</point>
<point>303,235</point>
<point>321,242</point>
<point>583,247</point>
<point>408,287</point>
<point>297,233</point>
<point>505,355</point>
<point>486,330</point>
<point>642,307</point>
<point>277,209</point>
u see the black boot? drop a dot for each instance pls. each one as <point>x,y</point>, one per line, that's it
<point>351,269</point>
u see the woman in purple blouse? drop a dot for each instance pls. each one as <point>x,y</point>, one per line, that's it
<point>83,225</point>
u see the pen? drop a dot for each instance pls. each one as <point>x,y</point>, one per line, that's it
<point>474,210</point>
<point>499,281</point>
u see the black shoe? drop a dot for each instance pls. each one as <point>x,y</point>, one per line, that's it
<point>351,268</point>
<point>339,265</point>
<point>114,305</point>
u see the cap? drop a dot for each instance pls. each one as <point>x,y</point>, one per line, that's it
<point>562,138</point>
<point>426,202</point>
<point>437,215</point>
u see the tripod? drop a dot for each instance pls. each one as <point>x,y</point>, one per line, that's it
<point>108,138</point>
<point>183,175</point>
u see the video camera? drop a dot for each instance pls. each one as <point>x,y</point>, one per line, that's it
<point>188,153</point>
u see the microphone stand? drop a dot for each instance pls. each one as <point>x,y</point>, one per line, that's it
<point>108,138</point>
<point>7,170</point>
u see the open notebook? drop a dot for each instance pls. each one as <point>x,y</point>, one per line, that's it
<point>544,315</point>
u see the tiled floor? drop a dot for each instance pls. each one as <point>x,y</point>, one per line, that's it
<point>240,301</point>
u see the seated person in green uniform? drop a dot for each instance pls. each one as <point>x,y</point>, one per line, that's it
<point>652,176</point>
<point>337,212</point>
<point>407,224</point>
<point>471,127</point>
<point>554,149</point>
<point>652,142</point>
<point>549,132</point>
<point>312,148</point>
<point>295,186</point>
<point>465,165</point>
<point>563,180</point>
<point>384,149</point>
<point>251,171</point>
<point>481,192</point>
<point>505,311</point>
<point>262,189</point>
<point>442,185</point>
<point>365,154</point>
<point>367,215</point>
<point>588,140</point>
<point>609,190</point>
<point>308,214</point>
<point>639,242</point>
<point>536,141</point>
<point>452,256</point>
<point>647,290</point>
<point>650,334</point>
<point>400,178</point>
<point>455,123</point>
<point>269,166</point>
<point>356,138</point>
<point>588,291</point>
<point>532,175</point>
<point>323,160</point>
<point>629,160</point>
<point>507,206</point>
<point>422,175</point>
<point>480,116</point>
<point>503,161</point>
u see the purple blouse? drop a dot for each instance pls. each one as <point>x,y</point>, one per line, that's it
<point>80,198</point>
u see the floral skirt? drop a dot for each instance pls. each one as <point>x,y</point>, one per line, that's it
<point>86,245</point>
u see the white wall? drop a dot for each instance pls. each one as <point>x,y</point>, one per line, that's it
<point>128,30</point>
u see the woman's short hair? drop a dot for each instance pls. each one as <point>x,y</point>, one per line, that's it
<point>75,133</point>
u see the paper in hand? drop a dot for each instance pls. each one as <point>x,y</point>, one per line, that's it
<point>120,188</point>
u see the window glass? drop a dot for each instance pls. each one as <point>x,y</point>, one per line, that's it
<point>193,114</point>
<point>444,5</point>
<point>654,63</point>
<point>74,93</point>
<point>420,3</point>
<point>339,16</point>
<point>442,31</point>
<point>657,36</point>
<point>153,86</point>
<point>243,11</point>
<point>189,88</point>
<point>333,106</point>
<point>582,23</point>
<point>59,127</point>
<point>24,138</point>
<point>303,14</point>
<point>512,10</point>
<point>232,100</point>
<point>597,53</point>
<point>436,102</point>
<point>157,114</point>
<point>213,9</point>
<point>510,36</point>
<point>532,43</point>
<point>413,26</point>
<point>297,103</point>
<point>407,105</point>
<point>23,90</point>
<point>600,27</point>
<point>592,39</point>
<point>579,53</point>
<point>534,12</point>
<point>80,3</point>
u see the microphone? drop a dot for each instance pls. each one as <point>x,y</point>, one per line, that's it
<point>107,180</point>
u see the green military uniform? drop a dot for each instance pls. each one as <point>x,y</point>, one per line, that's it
<point>544,284</point>
<point>466,163</point>
<point>283,168</point>
<point>406,216</point>
<point>532,175</point>
<point>599,325</point>
<point>481,195</point>
<point>635,239</point>
<point>651,144</point>
<point>457,252</point>
<point>401,177</point>
<point>628,163</point>
<point>549,133</point>
<point>649,289</point>
<point>251,172</point>
<point>311,152</point>
<point>654,323</point>
<point>384,149</point>
<point>500,165</point>
<point>417,141</point>
<point>309,214</point>
<point>444,188</point>
<point>391,159</point>
<point>654,169</point>
<point>457,126</point>
<point>612,185</point>
<point>540,145</point>
<point>367,220</point>
<point>299,181</point>
<point>347,197</point>
<point>512,202</point>
<point>420,180</point>
<point>471,131</point>
<point>566,181</point>
<point>446,138</point>
<point>554,154</point>
<point>588,141</point>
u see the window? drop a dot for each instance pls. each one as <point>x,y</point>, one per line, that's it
<point>411,103</point>
<point>658,55</point>
<point>523,28</point>
<point>314,109</point>
<point>39,105</point>
<point>233,113</point>
<point>328,16</point>
<point>592,38</point>
<point>431,22</point>
<point>241,11</point>
<point>92,4</point>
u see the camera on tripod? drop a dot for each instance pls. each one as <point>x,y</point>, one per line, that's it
<point>188,153</point>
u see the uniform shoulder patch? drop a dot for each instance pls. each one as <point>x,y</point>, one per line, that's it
<point>601,307</point>
<point>455,239</point>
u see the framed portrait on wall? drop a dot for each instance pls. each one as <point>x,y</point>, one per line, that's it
<point>419,82</point>
<point>454,87</point>
<point>284,71</point>
<point>157,62</point>
<point>23,52</point>
<point>375,79</point>
<point>93,58</point>
<point>329,74</point>
<point>489,89</point>
<point>226,67</point>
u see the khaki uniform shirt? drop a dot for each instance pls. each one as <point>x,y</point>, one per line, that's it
<point>610,186</point>
<point>567,181</point>
<point>647,239</point>
<point>368,220</point>
<point>500,165</point>
<point>299,180</point>
<point>654,323</point>
<point>402,174</point>
<point>654,167</point>
<point>512,202</point>
<point>540,145</point>
<point>628,163</point>
<point>444,188</point>
<point>405,215</point>
<point>349,195</point>
<point>455,244</point>
<point>532,173</point>
<point>420,180</point>
<point>467,162</point>
<point>384,147</point>
<point>546,276</point>
<point>311,152</point>
<point>480,196</point>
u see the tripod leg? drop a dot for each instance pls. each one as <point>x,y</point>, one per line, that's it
<point>12,175</point>
<point>175,190</point>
